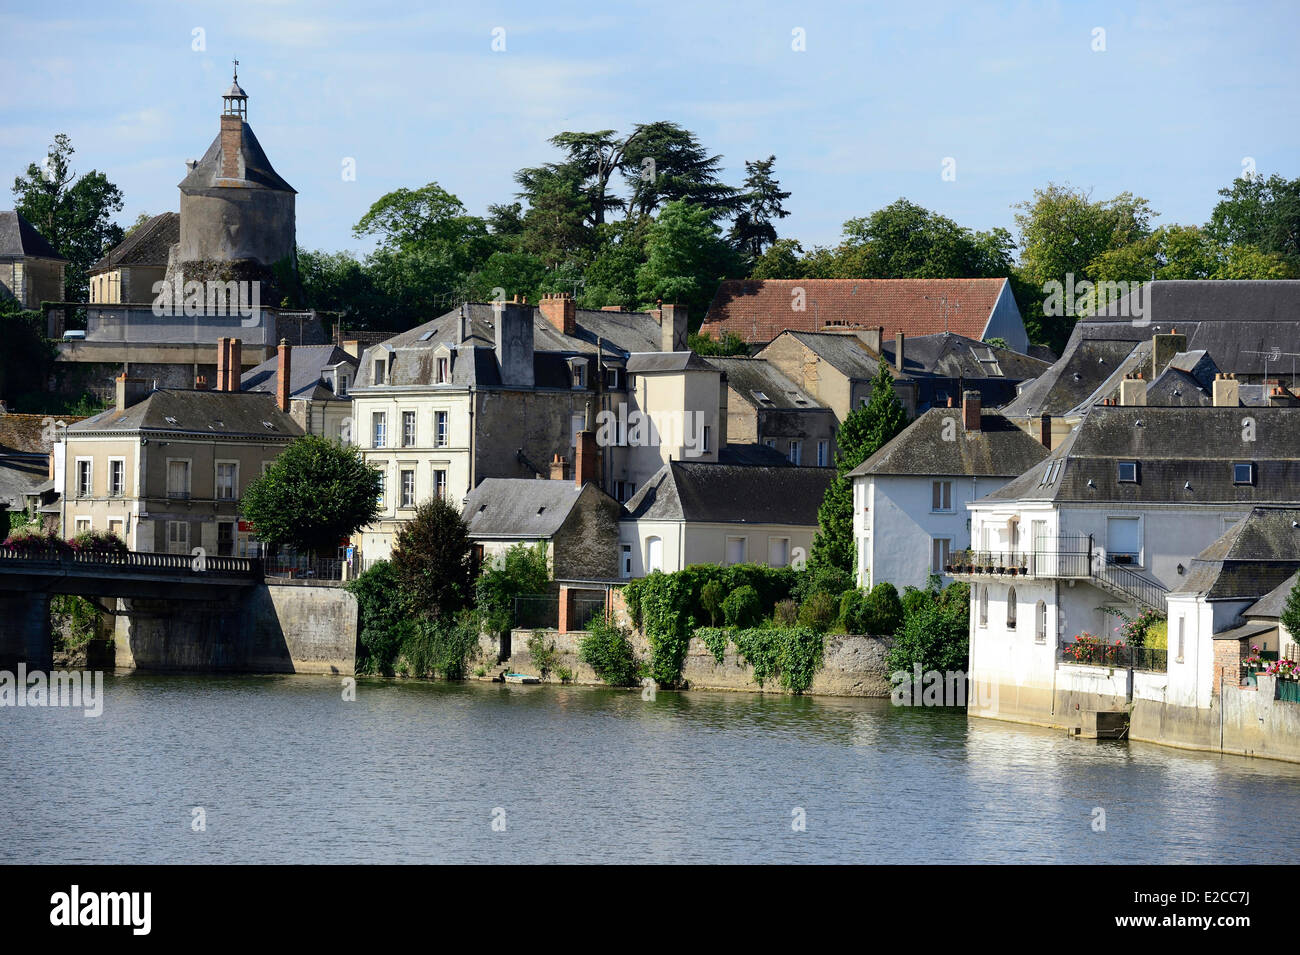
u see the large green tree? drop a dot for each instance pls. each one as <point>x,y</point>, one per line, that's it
<point>865,431</point>
<point>904,240</point>
<point>313,495</point>
<point>74,213</point>
<point>433,560</point>
<point>665,163</point>
<point>1259,212</point>
<point>760,206</point>
<point>686,257</point>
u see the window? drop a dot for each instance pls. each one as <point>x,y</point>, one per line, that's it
<point>178,479</point>
<point>408,488</point>
<point>225,538</point>
<point>1128,472</point>
<point>380,366</point>
<point>823,453</point>
<point>707,444</point>
<point>379,429</point>
<point>796,452</point>
<point>383,484</point>
<point>1124,540</point>
<point>342,390</point>
<point>439,483</point>
<point>940,547</point>
<point>778,552</point>
<point>623,491</point>
<point>117,527</point>
<point>1182,632</point>
<point>627,560</point>
<point>612,380</point>
<point>85,474</point>
<point>1011,608</point>
<point>1040,622</point>
<point>81,525</point>
<point>654,549</point>
<point>440,428</point>
<point>227,480</point>
<point>735,550</point>
<point>116,477</point>
<point>580,374</point>
<point>941,496</point>
<point>408,428</point>
<point>984,607</point>
<point>770,442</point>
<point>443,368</point>
<point>1243,472</point>
<point>178,537</point>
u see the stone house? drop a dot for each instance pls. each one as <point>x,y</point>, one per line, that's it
<point>319,378</point>
<point>765,407</point>
<point>31,270</point>
<point>127,272</point>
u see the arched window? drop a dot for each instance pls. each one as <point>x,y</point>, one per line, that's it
<point>1011,608</point>
<point>984,606</point>
<point>1040,622</point>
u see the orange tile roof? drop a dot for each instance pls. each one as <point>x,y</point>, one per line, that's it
<point>758,310</point>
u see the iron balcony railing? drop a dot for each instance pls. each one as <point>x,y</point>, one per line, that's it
<point>1114,655</point>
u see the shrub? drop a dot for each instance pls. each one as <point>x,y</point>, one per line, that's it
<point>824,578</point>
<point>742,609</point>
<point>543,654</point>
<point>882,611</point>
<point>850,613</point>
<point>442,647</point>
<point>818,612</point>
<point>608,650</point>
<point>785,613</point>
<point>715,639</point>
<point>711,597</point>
<point>935,632</point>
<point>98,542</point>
<point>914,600</point>
<point>32,542</point>
<point>385,623</point>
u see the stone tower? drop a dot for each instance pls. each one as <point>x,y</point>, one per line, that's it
<point>237,214</point>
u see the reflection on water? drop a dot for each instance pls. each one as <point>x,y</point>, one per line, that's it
<point>287,771</point>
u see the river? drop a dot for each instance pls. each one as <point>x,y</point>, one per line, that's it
<point>285,770</point>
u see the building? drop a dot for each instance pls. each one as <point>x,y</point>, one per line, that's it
<point>31,466</point>
<point>696,513</point>
<point>910,497</point>
<point>31,270</point>
<point>319,378</point>
<point>165,469</point>
<point>486,392</point>
<point>765,407</point>
<point>838,368</point>
<point>759,310</point>
<point>127,272</point>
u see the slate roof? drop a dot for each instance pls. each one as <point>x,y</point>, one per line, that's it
<point>1174,447</point>
<point>848,354</point>
<point>19,238</point>
<point>307,364</point>
<point>998,449</point>
<point>21,476</point>
<point>1273,603</point>
<point>750,377</point>
<point>759,309</point>
<point>149,244</point>
<point>731,494</point>
<point>947,355</point>
<point>1253,557</point>
<point>656,361</point>
<point>519,507</point>
<point>29,433</point>
<point>257,168</point>
<point>238,413</point>
<point>753,455</point>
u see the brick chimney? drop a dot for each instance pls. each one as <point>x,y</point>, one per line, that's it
<point>201,383</point>
<point>1133,391</point>
<point>560,310</point>
<point>1227,392</point>
<point>899,339</point>
<point>282,375</point>
<point>585,465</point>
<point>558,467</point>
<point>232,147</point>
<point>1045,430</point>
<point>234,365</point>
<point>970,408</point>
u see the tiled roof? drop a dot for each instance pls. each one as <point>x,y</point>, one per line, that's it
<point>19,238</point>
<point>999,448</point>
<point>760,309</point>
<point>732,494</point>
<point>149,244</point>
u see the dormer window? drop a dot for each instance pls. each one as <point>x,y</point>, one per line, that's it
<point>1128,472</point>
<point>578,372</point>
<point>443,371</point>
<point>341,390</point>
<point>381,366</point>
<point>1243,472</point>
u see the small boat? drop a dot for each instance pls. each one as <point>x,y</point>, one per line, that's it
<point>521,678</point>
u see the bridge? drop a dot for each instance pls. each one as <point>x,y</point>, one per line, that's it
<point>182,598</point>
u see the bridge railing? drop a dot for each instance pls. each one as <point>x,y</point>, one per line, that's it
<point>135,560</point>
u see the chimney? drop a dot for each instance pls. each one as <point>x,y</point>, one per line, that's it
<point>898,354</point>
<point>1163,348</point>
<point>514,345</point>
<point>558,466</point>
<point>462,325</point>
<point>282,375</point>
<point>1280,397</point>
<point>672,327</point>
<point>130,391</point>
<point>201,383</point>
<point>873,338</point>
<point>560,310</point>
<point>223,359</point>
<point>1227,392</point>
<point>232,147</point>
<point>970,407</point>
<point>1045,430</point>
<point>1133,391</point>
<point>352,347</point>
<point>234,365</point>
<point>585,466</point>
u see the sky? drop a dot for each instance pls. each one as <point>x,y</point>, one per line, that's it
<point>1166,100</point>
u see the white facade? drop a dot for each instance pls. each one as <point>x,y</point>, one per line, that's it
<point>649,545</point>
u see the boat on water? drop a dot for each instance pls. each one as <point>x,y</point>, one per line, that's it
<point>521,678</point>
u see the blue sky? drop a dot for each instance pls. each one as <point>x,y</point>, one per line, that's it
<point>1013,92</point>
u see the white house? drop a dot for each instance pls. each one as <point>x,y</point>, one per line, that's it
<point>910,497</point>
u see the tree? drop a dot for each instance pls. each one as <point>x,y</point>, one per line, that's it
<point>610,277</point>
<point>935,633</point>
<point>904,240</point>
<point>522,571</point>
<point>864,432</point>
<point>72,212</point>
<point>1259,212</point>
<point>555,227</point>
<point>432,560</point>
<point>313,495</point>
<point>1290,616</point>
<point>730,344</point>
<point>666,163</point>
<point>685,258</point>
<point>760,204</point>
<point>595,156</point>
<point>782,260</point>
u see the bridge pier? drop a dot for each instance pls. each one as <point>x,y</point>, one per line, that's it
<point>25,631</point>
